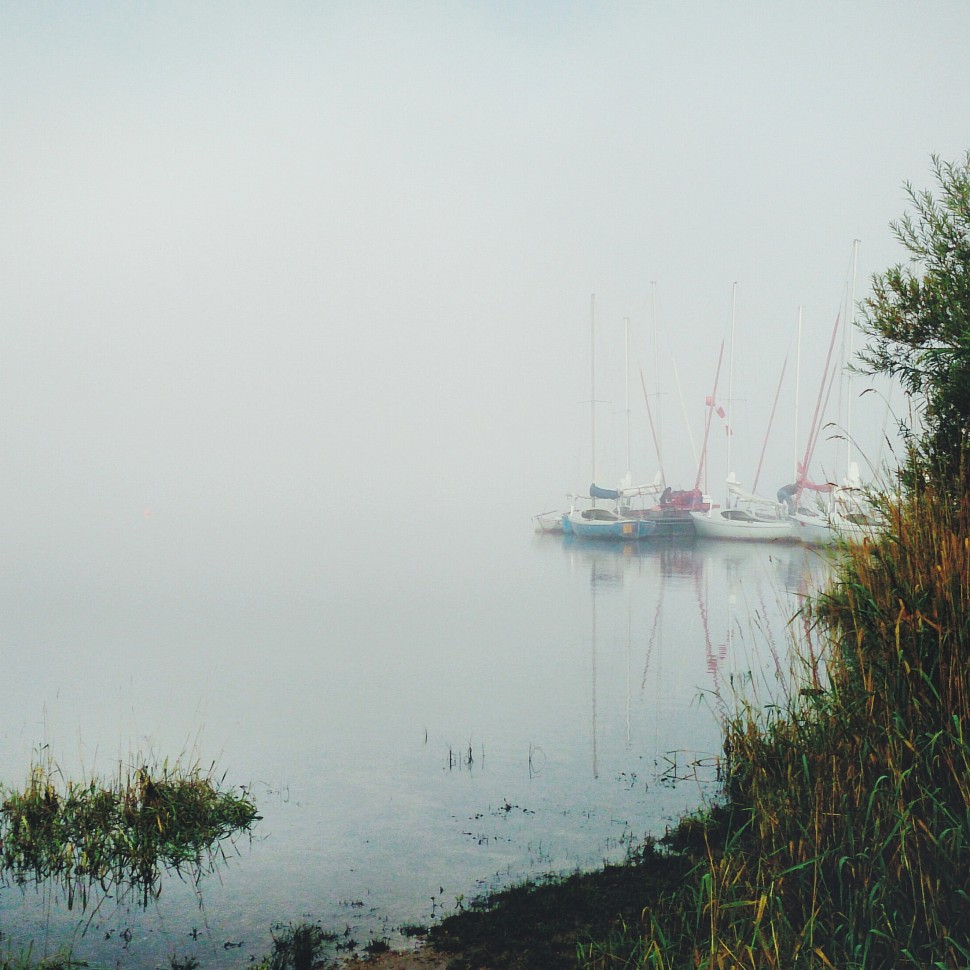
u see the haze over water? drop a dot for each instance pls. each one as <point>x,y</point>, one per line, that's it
<point>414,731</point>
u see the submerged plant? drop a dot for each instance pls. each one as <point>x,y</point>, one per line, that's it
<point>119,835</point>
<point>297,946</point>
<point>26,961</point>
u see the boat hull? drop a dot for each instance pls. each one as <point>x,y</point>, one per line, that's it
<point>733,524</point>
<point>819,531</point>
<point>669,522</point>
<point>549,523</point>
<point>618,530</point>
<point>813,530</point>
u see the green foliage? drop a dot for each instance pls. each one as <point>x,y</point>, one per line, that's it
<point>918,318</point>
<point>120,835</point>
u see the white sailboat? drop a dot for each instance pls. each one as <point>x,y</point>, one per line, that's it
<point>847,517</point>
<point>745,515</point>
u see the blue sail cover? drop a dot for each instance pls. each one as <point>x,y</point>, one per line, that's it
<point>596,492</point>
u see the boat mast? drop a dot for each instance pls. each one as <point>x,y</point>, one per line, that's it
<point>626,322</point>
<point>656,379</point>
<point>829,372</point>
<point>798,372</point>
<point>848,364</point>
<point>771,419</point>
<point>730,401</point>
<point>592,382</point>
<point>711,404</point>
<point>655,427</point>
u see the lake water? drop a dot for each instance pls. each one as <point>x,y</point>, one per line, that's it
<point>418,721</point>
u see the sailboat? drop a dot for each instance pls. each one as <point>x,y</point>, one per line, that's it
<point>847,515</point>
<point>619,522</point>
<point>745,515</point>
<point>548,523</point>
<point>672,509</point>
<point>602,523</point>
<point>673,512</point>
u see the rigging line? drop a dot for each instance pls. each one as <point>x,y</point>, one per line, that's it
<point>771,418</point>
<point>730,401</point>
<point>828,395</point>
<point>683,408</point>
<point>813,433</point>
<point>653,430</point>
<point>707,423</point>
<point>847,359</point>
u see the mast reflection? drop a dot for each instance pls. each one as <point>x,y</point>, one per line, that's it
<point>701,620</point>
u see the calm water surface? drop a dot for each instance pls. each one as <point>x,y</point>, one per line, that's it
<point>418,722</point>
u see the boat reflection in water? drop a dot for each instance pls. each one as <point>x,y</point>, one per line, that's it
<point>677,624</point>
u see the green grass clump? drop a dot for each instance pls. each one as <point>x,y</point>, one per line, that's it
<point>120,835</point>
<point>846,838</point>
<point>298,946</point>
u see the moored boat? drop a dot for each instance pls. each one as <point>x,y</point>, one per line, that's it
<point>601,523</point>
<point>850,517</point>
<point>750,517</point>
<point>672,513</point>
<point>549,523</point>
<point>740,523</point>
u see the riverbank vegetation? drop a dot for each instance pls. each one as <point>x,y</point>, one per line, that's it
<point>847,835</point>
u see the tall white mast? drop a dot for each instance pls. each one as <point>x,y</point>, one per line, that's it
<point>592,381</point>
<point>730,402</point>
<point>656,371</point>
<point>626,323</point>
<point>798,372</point>
<point>848,362</point>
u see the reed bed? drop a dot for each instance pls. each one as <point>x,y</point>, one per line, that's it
<point>845,839</point>
<point>119,836</point>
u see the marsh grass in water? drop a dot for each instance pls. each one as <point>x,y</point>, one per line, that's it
<point>26,961</point>
<point>121,835</point>
<point>299,946</point>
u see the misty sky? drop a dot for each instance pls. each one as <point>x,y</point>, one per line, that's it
<point>267,265</point>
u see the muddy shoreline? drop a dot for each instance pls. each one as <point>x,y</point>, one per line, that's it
<point>540,925</point>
